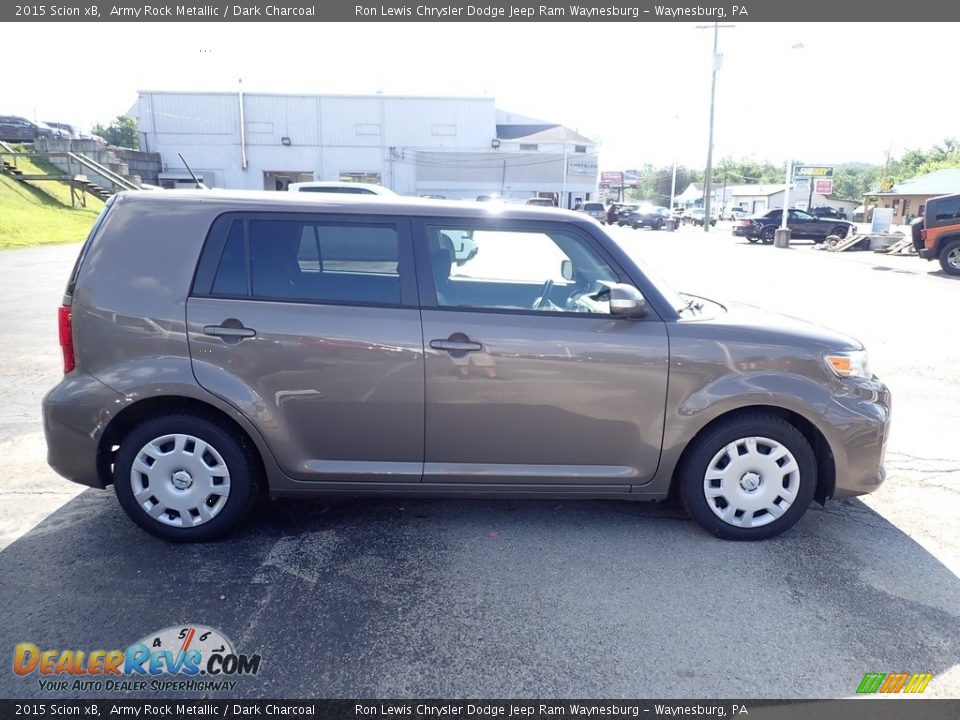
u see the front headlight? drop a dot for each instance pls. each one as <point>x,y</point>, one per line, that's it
<point>849,364</point>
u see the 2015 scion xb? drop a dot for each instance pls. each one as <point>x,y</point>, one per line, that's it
<point>219,344</point>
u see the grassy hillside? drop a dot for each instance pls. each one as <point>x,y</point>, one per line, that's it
<point>40,213</point>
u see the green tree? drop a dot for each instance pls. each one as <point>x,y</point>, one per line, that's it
<point>122,132</point>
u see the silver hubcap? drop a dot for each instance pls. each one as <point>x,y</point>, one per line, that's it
<point>751,482</point>
<point>180,480</point>
<point>953,259</point>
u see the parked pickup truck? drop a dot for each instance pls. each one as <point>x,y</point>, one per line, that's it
<point>936,235</point>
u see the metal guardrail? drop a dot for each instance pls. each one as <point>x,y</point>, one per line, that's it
<point>118,181</point>
<point>106,172</point>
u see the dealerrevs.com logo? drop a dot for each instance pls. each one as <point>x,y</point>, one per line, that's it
<point>189,657</point>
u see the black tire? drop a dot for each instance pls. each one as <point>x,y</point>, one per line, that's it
<point>768,234</point>
<point>752,239</point>
<point>950,257</point>
<point>657,224</point>
<point>237,455</point>
<point>702,451</point>
<point>840,231</point>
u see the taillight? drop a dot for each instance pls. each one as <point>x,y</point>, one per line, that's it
<point>745,223</point>
<point>923,237</point>
<point>65,323</point>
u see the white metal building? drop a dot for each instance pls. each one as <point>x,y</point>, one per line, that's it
<point>457,147</point>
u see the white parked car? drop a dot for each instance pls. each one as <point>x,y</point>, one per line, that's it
<point>337,186</point>
<point>734,213</point>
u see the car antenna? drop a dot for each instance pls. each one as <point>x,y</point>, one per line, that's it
<point>200,185</point>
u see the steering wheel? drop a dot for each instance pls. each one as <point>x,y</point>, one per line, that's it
<point>544,291</point>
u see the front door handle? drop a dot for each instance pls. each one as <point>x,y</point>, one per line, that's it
<point>226,331</point>
<point>456,345</point>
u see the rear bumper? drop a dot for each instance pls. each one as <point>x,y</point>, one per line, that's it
<point>75,414</point>
<point>742,231</point>
<point>928,253</point>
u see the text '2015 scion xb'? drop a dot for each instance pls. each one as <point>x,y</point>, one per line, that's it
<point>221,344</point>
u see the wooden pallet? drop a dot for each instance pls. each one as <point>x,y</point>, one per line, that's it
<point>901,247</point>
<point>837,244</point>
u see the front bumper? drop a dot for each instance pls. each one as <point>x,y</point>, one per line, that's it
<point>75,414</point>
<point>859,418</point>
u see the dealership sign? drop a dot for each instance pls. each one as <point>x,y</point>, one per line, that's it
<point>582,167</point>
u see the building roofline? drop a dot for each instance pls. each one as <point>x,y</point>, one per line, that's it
<point>374,96</point>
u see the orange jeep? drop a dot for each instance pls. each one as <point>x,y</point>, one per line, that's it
<point>937,235</point>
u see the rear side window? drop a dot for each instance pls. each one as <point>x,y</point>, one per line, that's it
<point>72,282</point>
<point>946,210</point>
<point>232,276</point>
<point>303,261</point>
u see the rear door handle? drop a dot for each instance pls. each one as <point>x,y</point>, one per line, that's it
<point>225,331</point>
<point>455,346</point>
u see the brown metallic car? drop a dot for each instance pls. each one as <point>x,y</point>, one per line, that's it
<point>217,345</point>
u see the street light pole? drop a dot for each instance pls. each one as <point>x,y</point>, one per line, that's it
<point>673,182</point>
<point>708,175</point>
<point>789,173</point>
<point>786,192</point>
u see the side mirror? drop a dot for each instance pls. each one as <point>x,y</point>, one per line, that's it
<point>566,269</point>
<point>627,301</point>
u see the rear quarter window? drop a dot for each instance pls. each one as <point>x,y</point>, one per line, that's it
<point>946,211</point>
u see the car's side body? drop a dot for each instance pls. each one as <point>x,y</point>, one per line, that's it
<point>937,236</point>
<point>351,397</point>
<point>17,129</point>
<point>651,216</point>
<point>802,225</point>
<point>697,216</point>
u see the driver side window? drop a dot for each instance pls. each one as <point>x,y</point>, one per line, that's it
<point>503,269</point>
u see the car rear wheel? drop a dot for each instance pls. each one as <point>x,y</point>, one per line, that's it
<point>768,234</point>
<point>752,239</point>
<point>185,478</point>
<point>748,478</point>
<point>950,258</point>
<point>657,224</point>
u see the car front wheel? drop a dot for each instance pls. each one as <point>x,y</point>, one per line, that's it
<point>749,477</point>
<point>185,478</point>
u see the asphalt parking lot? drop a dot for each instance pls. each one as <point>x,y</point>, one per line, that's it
<point>481,598</point>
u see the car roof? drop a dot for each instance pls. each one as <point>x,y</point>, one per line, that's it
<point>268,200</point>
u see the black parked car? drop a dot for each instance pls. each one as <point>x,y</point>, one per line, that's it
<point>802,225</point>
<point>651,216</point>
<point>18,129</point>
<point>623,214</point>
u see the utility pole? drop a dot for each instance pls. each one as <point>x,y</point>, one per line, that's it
<point>708,175</point>
<point>673,182</point>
